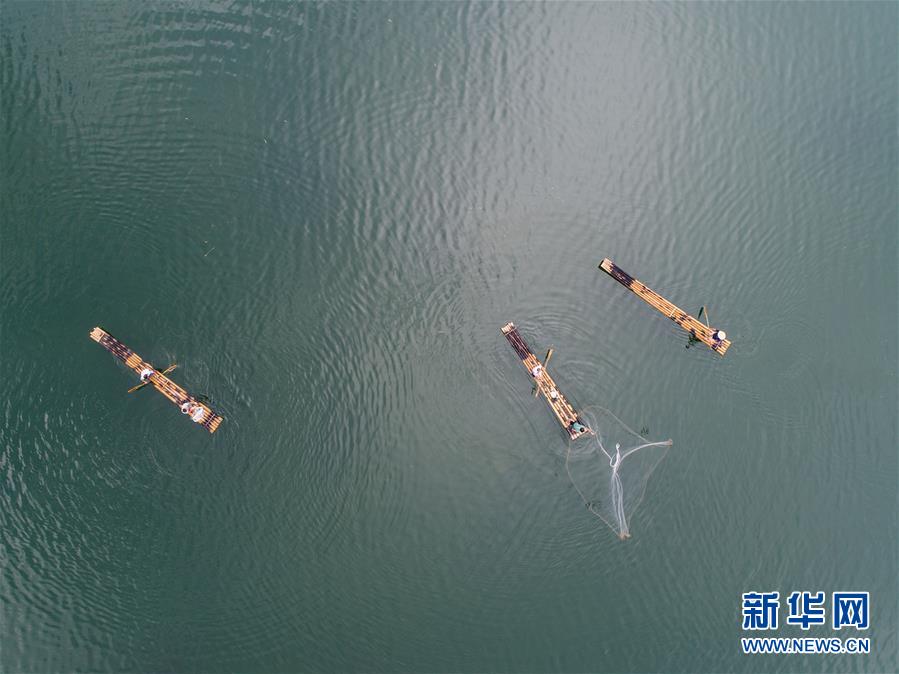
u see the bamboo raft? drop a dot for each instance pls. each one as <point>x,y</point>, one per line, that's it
<point>197,411</point>
<point>697,330</point>
<point>545,384</point>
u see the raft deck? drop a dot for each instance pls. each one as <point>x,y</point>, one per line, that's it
<point>560,406</point>
<point>698,330</point>
<point>177,395</point>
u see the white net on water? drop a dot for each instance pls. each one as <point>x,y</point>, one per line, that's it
<point>610,469</point>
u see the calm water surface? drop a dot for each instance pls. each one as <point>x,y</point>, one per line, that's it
<point>323,213</point>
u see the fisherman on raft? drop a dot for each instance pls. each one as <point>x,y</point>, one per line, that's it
<point>145,374</point>
<point>537,371</point>
<point>577,427</point>
<point>194,411</point>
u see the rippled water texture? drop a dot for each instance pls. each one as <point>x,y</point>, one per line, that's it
<point>324,213</point>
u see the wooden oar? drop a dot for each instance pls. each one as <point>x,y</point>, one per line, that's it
<point>693,338</point>
<point>144,383</point>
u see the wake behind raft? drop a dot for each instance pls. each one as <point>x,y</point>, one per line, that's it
<point>198,412</point>
<point>558,403</point>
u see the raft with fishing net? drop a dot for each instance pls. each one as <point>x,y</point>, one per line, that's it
<point>546,385</point>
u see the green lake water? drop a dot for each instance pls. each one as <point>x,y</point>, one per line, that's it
<point>324,213</point>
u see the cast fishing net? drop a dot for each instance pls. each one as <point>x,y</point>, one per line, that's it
<point>610,469</point>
